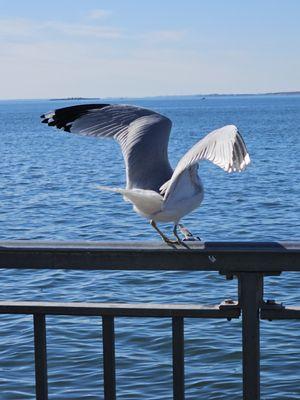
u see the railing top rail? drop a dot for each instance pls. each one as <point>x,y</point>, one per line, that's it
<point>225,257</point>
<point>120,309</point>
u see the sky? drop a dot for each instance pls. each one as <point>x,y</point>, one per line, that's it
<point>137,48</point>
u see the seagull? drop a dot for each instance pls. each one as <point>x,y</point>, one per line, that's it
<point>156,191</point>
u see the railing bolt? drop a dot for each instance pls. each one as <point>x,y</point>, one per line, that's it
<point>212,259</point>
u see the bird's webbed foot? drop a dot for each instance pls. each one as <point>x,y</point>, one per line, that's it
<point>172,242</point>
<point>188,236</point>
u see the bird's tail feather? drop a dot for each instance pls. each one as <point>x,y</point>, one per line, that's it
<point>114,190</point>
<point>110,189</point>
<point>147,201</point>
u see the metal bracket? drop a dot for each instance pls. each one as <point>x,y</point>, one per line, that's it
<point>229,303</point>
<point>270,305</point>
<point>228,275</point>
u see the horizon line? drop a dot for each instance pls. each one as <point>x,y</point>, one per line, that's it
<point>69,98</point>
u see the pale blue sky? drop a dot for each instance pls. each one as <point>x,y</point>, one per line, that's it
<point>98,48</point>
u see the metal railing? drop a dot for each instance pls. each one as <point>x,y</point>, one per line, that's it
<point>249,262</point>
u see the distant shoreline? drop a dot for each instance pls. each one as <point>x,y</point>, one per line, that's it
<point>203,96</point>
<point>160,97</point>
<point>75,98</point>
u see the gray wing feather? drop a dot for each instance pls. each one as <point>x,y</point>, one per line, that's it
<point>224,147</point>
<point>142,134</point>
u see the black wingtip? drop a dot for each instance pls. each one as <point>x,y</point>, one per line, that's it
<point>62,118</point>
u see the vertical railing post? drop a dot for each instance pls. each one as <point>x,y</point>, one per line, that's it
<point>40,352</point>
<point>250,297</point>
<point>108,333</point>
<point>178,357</point>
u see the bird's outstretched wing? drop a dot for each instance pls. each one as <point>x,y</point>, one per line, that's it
<point>224,147</point>
<point>143,135</point>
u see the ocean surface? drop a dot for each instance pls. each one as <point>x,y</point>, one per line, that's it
<point>48,191</point>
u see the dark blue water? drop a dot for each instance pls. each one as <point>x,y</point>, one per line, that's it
<point>47,181</point>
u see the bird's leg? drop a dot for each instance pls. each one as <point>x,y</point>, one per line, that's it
<point>176,234</point>
<point>162,235</point>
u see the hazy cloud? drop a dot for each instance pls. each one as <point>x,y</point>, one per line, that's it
<point>24,28</point>
<point>166,35</point>
<point>99,13</point>
<point>85,30</point>
<point>17,27</point>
